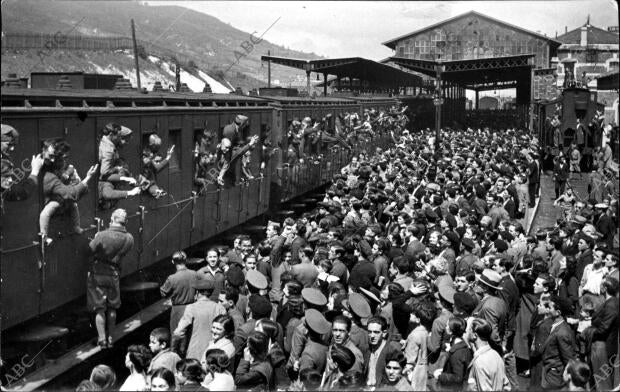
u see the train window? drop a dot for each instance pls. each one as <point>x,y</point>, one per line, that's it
<point>174,138</point>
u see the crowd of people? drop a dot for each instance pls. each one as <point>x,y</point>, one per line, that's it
<point>415,272</point>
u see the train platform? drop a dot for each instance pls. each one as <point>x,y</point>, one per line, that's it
<point>546,213</point>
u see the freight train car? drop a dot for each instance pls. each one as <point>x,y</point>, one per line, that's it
<point>37,279</point>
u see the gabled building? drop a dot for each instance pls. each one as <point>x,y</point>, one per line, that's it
<point>474,36</point>
<point>592,50</point>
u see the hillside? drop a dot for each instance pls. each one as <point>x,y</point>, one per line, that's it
<point>208,42</point>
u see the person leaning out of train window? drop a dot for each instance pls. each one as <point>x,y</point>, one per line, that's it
<point>13,185</point>
<point>234,131</point>
<point>226,159</point>
<point>62,186</point>
<point>153,163</point>
<point>110,177</point>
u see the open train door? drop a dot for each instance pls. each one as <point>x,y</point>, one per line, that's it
<point>278,149</point>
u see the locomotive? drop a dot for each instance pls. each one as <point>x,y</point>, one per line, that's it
<point>37,279</point>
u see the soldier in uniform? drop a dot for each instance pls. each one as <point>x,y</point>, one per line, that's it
<point>103,291</point>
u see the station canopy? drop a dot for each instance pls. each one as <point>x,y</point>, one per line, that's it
<point>475,74</point>
<point>377,74</point>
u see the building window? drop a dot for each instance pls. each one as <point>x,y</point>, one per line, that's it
<point>401,51</point>
<point>591,56</point>
<point>613,65</point>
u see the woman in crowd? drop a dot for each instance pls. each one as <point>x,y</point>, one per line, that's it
<point>190,375</point>
<point>162,379</point>
<point>218,377</point>
<point>222,331</point>
<point>137,360</point>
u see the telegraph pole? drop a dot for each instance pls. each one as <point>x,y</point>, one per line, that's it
<point>438,102</point>
<point>135,53</point>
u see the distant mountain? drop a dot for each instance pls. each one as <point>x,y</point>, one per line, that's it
<point>207,41</point>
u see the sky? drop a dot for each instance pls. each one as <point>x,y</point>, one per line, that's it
<point>357,28</point>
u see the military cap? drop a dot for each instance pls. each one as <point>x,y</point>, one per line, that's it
<point>313,296</point>
<point>468,243</point>
<point>8,133</point>
<point>446,292</point>
<point>465,302</point>
<point>256,279</point>
<point>317,322</point>
<point>203,284</point>
<point>259,306</point>
<point>124,132</point>
<point>579,219</point>
<point>235,276</point>
<point>359,305</point>
<point>240,119</point>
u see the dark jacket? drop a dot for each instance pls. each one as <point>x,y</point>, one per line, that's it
<point>605,325</point>
<point>454,372</point>
<point>254,377</point>
<point>557,350</point>
<point>389,347</point>
<point>510,294</point>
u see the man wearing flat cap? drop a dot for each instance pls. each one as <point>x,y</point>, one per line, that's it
<point>491,307</point>
<point>200,316</point>
<point>103,280</point>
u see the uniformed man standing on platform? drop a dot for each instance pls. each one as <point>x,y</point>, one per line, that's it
<point>103,287</point>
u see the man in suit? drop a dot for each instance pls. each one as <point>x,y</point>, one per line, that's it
<point>380,347</point>
<point>558,348</point>
<point>604,332</point>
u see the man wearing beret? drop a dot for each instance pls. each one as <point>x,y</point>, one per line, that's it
<point>200,316</point>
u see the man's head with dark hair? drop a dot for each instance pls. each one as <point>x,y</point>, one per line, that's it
<point>610,286</point>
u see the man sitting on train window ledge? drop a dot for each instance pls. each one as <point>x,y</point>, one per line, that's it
<point>234,132</point>
<point>13,185</point>
<point>62,186</point>
<point>226,160</point>
<point>112,175</point>
<point>153,163</point>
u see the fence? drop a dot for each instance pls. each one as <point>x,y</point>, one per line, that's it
<point>59,41</point>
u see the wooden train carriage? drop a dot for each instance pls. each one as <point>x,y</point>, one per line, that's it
<point>34,282</point>
<point>573,103</point>
<point>293,180</point>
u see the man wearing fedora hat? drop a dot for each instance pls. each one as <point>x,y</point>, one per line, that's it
<point>491,308</point>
